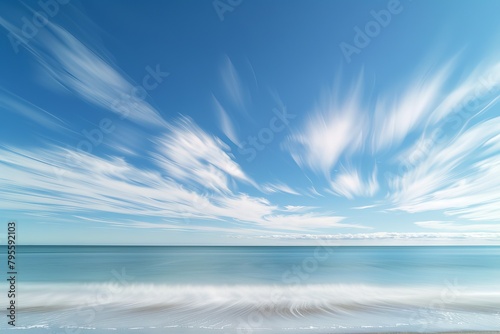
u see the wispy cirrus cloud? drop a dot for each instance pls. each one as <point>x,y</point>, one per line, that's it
<point>297,208</point>
<point>279,187</point>
<point>175,227</point>
<point>457,176</point>
<point>409,125</point>
<point>225,122</point>
<point>85,72</point>
<point>400,113</point>
<point>94,186</point>
<point>336,126</point>
<point>343,124</point>
<point>187,153</point>
<point>350,184</point>
<point>193,174</point>
<point>364,207</point>
<point>473,92</point>
<point>10,102</point>
<point>235,91</point>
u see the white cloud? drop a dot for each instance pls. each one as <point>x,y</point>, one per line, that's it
<point>234,88</point>
<point>390,238</point>
<point>350,184</point>
<point>187,153</point>
<point>364,207</point>
<point>305,221</point>
<point>387,236</point>
<point>225,122</point>
<point>66,183</point>
<point>472,92</point>
<point>459,176</point>
<point>279,187</point>
<point>297,208</point>
<point>185,227</point>
<point>12,103</point>
<point>447,225</point>
<point>84,72</point>
<point>396,116</point>
<point>336,127</point>
<point>313,192</point>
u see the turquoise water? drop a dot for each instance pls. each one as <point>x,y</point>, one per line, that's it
<point>80,289</point>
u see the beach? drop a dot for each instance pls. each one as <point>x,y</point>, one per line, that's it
<point>258,289</point>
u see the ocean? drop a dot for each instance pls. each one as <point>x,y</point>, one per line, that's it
<point>134,289</point>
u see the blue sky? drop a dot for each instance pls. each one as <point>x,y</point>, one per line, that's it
<point>250,122</point>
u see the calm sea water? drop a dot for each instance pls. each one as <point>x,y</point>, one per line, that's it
<point>74,289</point>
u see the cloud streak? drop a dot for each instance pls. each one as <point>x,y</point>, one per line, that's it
<point>10,102</point>
<point>336,127</point>
<point>87,74</point>
<point>457,176</point>
<point>93,186</point>
<point>189,154</point>
<point>350,184</point>
<point>279,187</point>
<point>235,90</point>
<point>401,113</point>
